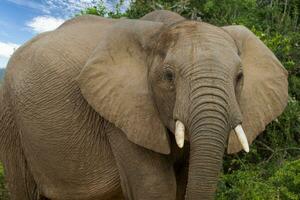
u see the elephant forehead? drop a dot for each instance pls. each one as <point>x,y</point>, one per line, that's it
<point>191,32</point>
<point>190,43</point>
<point>207,54</point>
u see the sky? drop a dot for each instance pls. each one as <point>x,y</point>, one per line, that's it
<point>21,20</point>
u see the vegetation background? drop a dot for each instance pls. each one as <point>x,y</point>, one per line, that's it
<point>272,168</point>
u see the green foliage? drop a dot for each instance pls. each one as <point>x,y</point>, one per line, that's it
<point>101,10</point>
<point>268,181</point>
<point>3,191</point>
<point>287,181</point>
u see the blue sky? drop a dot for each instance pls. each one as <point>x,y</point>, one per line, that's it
<point>20,20</point>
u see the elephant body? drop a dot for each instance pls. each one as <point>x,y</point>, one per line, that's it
<point>64,149</point>
<point>62,140</point>
<point>60,171</point>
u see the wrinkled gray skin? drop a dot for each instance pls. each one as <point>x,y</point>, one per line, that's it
<point>88,110</point>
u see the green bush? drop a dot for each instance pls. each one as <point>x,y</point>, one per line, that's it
<point>101,10</point>
<point>287,181</point>
<point>262,182</point>
<point>3,191</point>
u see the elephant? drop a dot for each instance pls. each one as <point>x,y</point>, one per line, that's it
<point>134,109</point>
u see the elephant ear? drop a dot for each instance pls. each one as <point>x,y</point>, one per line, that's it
<point>114,82</point>
<point>265,90</point>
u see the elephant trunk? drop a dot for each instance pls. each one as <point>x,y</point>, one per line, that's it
<point>209,127</point>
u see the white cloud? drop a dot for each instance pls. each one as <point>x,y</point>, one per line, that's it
<point>44,23</point>
<point>7,49</point>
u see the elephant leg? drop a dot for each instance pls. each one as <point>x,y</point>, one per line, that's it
<point>20,182</point>
<point>144,174</point>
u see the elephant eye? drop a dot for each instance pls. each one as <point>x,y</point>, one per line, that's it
<point>168,75</point>
<point>239,83</point>
<point>239,76</point>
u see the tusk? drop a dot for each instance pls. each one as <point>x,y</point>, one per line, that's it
<point>242,137</point>
<point>179,133</point>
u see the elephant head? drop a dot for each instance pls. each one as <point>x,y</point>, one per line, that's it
<point>196,80</point>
